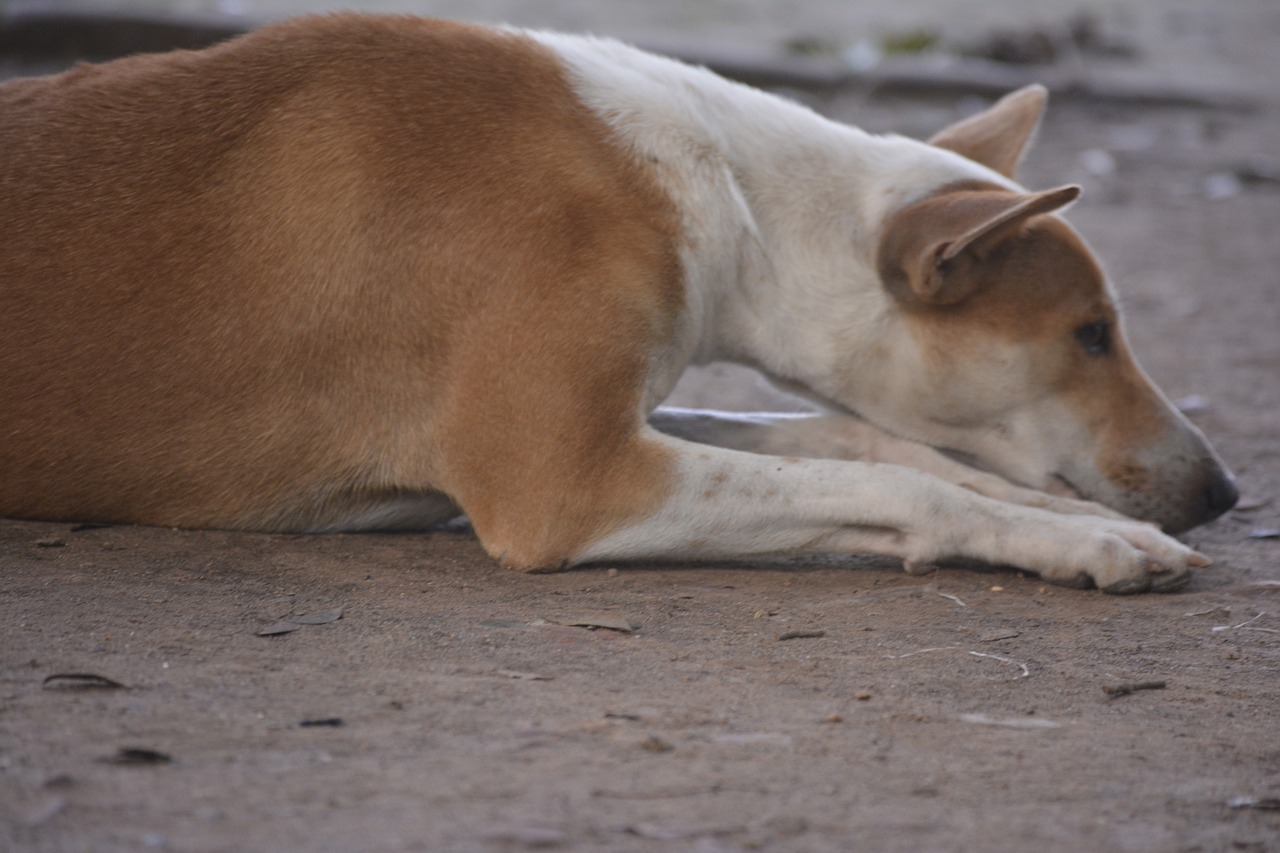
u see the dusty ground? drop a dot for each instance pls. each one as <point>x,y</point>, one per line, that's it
<point>962,711</point>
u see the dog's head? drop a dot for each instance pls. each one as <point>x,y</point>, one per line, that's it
<point>1010,348</point>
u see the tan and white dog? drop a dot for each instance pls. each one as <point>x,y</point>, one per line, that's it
<point>353,273</point>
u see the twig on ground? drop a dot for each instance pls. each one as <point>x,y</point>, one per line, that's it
<point>663,793</point>
<point>801,635</point>
<point>1009,722</point>
<point>1125,689</point>
<point>1262,803</point>
<point>1025,671</point>
<point>1220,628</point>
<point>924,651</point>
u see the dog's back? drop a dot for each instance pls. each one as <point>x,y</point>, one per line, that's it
<point>231,279</point>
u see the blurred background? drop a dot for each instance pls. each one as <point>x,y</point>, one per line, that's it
<point>1183,42</point>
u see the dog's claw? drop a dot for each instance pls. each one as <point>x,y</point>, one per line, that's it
<point>1171,582</point>
<point>1128,586</point>
<point>1159,578</point>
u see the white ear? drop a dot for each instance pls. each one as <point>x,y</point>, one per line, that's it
<point>999,136</point>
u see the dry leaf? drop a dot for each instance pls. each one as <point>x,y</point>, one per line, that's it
<point>321,617</point>
<point>523,676</point>
<point>1260,803</point>
<point>284,626</point>
<point>1009,722</point>
<point>802,635</point>
<point>81,681</point>
<point>136,756</point>
<point>323,722</point>
<point>598,620</point>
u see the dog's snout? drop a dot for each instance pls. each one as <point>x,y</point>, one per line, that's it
<point>1215,494</point>
<point>1220,495</point>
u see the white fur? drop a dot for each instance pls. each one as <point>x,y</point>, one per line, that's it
<point>782,210</point>
<point>784,203</point>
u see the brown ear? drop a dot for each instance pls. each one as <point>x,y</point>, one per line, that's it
<point>931,253</point>
<point>998,137</point>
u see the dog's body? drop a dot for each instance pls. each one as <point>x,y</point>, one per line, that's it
<point>356,273</point>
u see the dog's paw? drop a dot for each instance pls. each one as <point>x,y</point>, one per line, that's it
<point>1124,558</point>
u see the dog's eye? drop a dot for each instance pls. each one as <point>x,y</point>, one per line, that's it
<point>1095,337</point>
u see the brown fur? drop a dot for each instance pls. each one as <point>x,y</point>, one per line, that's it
<point>271,284</point>
<point>1032,282</point>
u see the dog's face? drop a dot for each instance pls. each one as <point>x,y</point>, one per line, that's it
<point>1009,349</point>
<point>1013,353</point>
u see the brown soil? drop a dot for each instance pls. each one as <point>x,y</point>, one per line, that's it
<point>962,711</point>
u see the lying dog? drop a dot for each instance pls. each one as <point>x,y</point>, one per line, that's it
<point>353,273</point>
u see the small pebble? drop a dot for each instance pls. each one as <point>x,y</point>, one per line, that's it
<point>653,743</point>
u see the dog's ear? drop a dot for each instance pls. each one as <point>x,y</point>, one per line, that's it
<point>931,253</point>
<point>998,137</point>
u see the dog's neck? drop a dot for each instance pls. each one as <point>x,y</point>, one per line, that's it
<point>804,298</point>
<point>783,211</point>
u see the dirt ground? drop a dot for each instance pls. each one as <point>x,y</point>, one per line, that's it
<point>806,705</point>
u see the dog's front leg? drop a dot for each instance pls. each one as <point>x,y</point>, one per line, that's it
<point>724,503</point>
<point>839,436</point>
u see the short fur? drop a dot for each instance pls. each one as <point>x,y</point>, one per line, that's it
<point>357,272</point>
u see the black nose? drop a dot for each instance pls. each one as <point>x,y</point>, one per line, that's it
<point>1220,495</point>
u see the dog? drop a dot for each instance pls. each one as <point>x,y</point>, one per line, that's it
<point>354,273</point>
